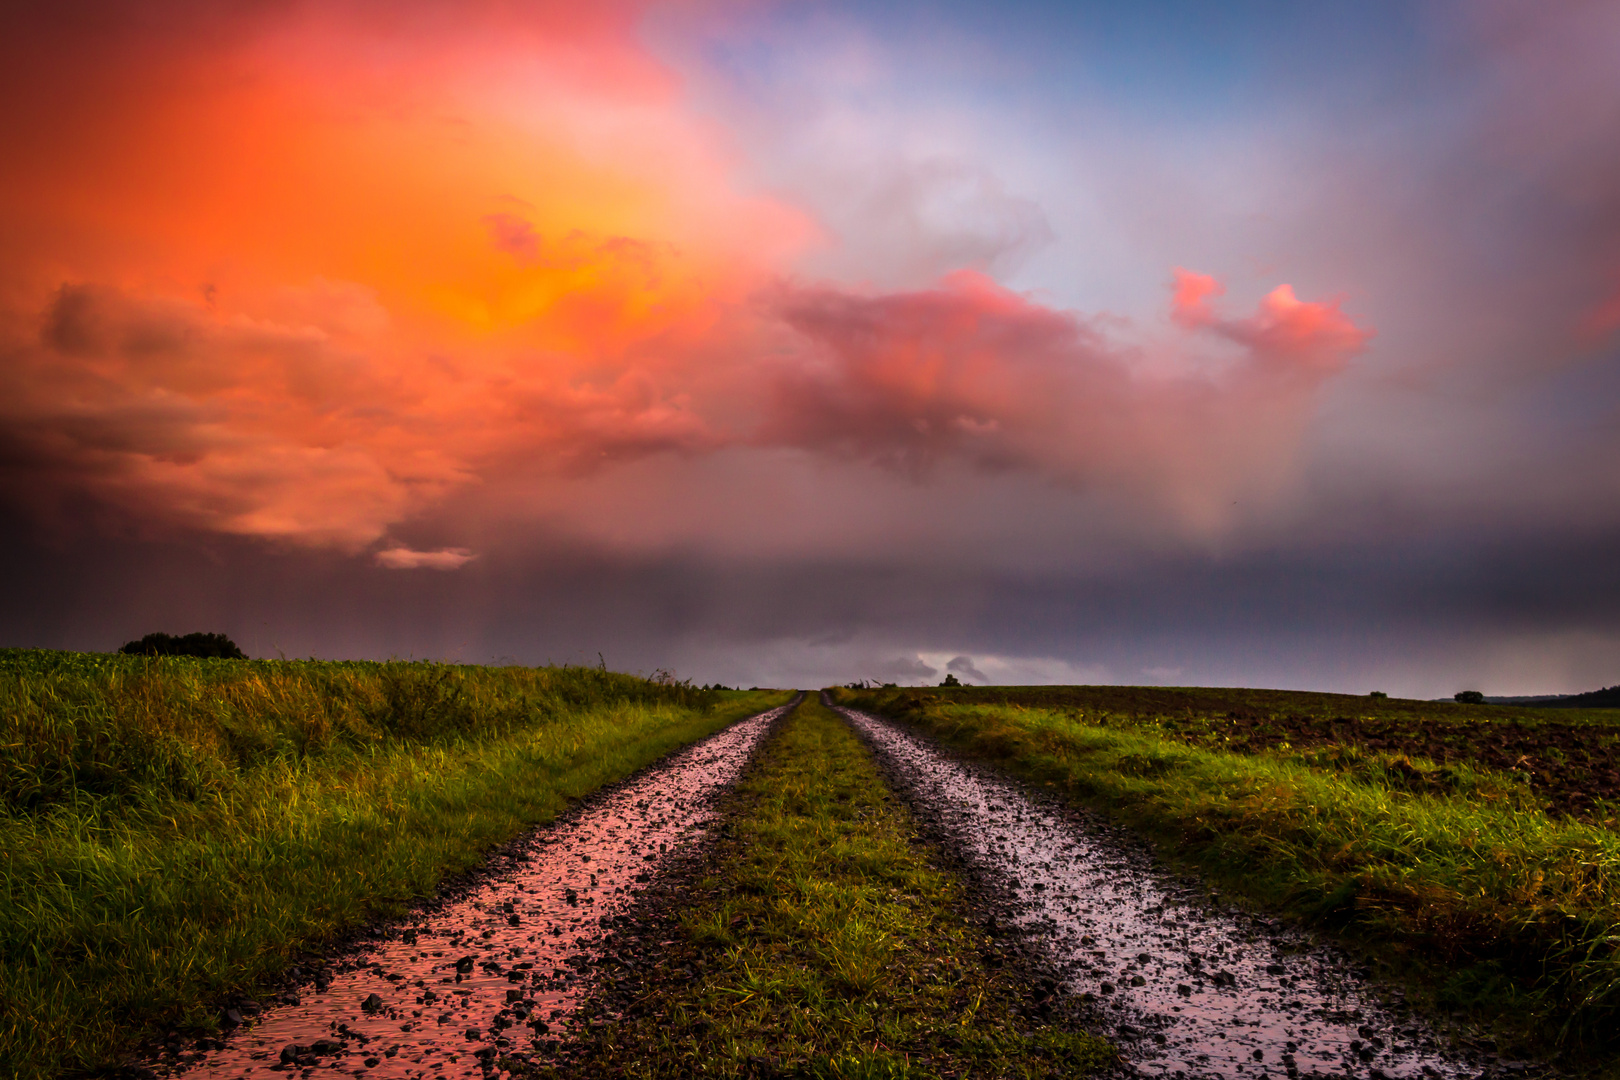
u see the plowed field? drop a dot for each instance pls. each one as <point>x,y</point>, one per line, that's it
<point>1568,760</point>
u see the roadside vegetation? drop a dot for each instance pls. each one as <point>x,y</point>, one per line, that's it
<point>818,940</point>
<point>1494,894</point>
<point>174,831</point>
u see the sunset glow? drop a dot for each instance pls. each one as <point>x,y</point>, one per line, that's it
<point>424,287</point>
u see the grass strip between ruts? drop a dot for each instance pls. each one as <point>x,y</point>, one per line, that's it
<point>176,831</point>
<point>818,940</point>
<point>1490,907</point>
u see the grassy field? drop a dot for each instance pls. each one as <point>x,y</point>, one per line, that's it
<point>820,941</point>
<point>172,831</point>
<point>1465,878</point>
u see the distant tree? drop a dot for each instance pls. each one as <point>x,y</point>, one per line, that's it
<point>208,646</point>
<point>1470,697</point>
<point>1378,694</point>
<point>951,680</point>
<point>1607,698</point>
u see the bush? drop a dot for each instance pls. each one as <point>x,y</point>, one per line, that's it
<point>1470,697</point>
<point>207,646</point>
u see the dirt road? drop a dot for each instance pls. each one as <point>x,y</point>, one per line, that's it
<point>1187,987</point>
<point>452,992</point>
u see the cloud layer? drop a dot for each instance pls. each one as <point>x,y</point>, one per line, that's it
<point>966,333</point>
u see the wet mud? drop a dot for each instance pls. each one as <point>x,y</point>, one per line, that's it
<point>1187,987</point>
<point>493,978</point>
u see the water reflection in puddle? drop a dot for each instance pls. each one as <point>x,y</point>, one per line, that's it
<point>1191,990</point>
<point>452,991</point>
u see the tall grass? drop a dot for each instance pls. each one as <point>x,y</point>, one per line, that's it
<point>1508,909</point>
<point>174,830</point>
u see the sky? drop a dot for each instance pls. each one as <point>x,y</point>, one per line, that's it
<point>1263,343</point>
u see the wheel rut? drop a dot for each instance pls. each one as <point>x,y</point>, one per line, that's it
<point>464,989</point>
<point>1187,987</point>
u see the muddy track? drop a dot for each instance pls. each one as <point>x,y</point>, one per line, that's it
<point>647,960</point>
<point>1187,987</point>
<point>461,987</point>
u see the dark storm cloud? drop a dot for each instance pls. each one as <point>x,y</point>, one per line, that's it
<point>1425,615</point>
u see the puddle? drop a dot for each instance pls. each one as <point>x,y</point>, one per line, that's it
<point>1190,990</point>
<point>449,992</point>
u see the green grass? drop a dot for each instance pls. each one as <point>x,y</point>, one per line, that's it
<point>1563,760</point>
<point>822,942</point>
<point>173,831</point>
<point>1482,897</point>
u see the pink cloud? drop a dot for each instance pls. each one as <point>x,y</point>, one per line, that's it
<point>971,372</point>
<point>1296,333</point>
<point>404,558</point>
<point>1601,320</point>
<point>1285,330</point>
<point>1189,304</point>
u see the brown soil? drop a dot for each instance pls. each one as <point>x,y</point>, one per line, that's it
<point>1566,760</point>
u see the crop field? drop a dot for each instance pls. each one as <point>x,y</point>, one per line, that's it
<point>174,832</point>
<point>1470,851</point>
<point>1561,759</point>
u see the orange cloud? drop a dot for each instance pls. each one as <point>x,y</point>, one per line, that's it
<point>404,558</point>
<point>303,273</point>
<point>298,272</point>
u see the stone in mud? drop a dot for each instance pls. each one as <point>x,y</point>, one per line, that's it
<point>372,1003</point>
<point>231,1018</point>
<point>464,965</point>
